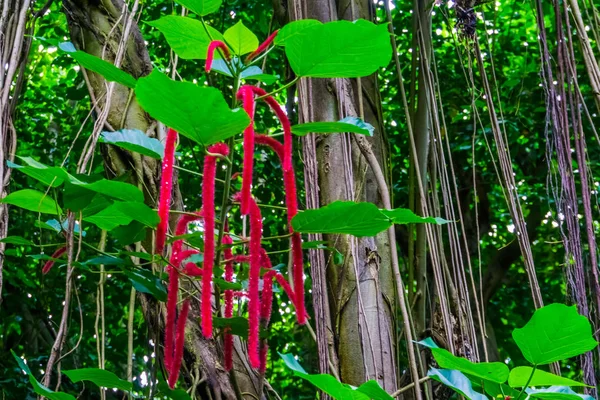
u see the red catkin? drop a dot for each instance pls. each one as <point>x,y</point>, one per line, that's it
<point>179,342</point>
<point>208,206</point>
<point>210,54</point>
<point>263,46</point>
<point>285,125</point>
<point>50,263</point>
<point>227,336</point>
<point>253,283</point>
<point>192,269</point>
<point>246,94</point>
<point>264,351</point>
<point>166,185</point>
<point>181,229</point>
<point>171,316</point>
<point>291,199</point>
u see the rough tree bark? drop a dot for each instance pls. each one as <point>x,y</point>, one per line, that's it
<point>96,27</point>
<point>360,291</point>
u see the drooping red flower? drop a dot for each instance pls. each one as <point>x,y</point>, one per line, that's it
<point>50,263</point>
<point>208,207</point>
<point>179,342</point>
<point>166,186</point>
<point>253,283</point>
<point>181,229</point>
<point>210,54</point>
<point>246,94</point>
<point>227,336</point>
<point>172,292</point>
<point>263,46</point>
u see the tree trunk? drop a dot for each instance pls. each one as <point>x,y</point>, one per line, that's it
<point>97,28</point>
<point>360,290</point>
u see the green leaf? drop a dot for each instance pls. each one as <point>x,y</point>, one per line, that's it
<point>49,176</point>
<point>201,7</point>
<point>224,285</point>
<point>292,29</point>
<point>100,377</point>
<point>135,140</point>
<point>557,393</point>
<point>122,213</point>
<point>456,381</point>
<point>267,79</point>
<point>358,219</point>
<point>519,377</point>
<point>495,372</point>
<point>554,333</point>
<point>33,200</point>
<point>38,387</point>
<point>18,240</point>
<point>187,36</point>
<point>340,49</point>
<point>118,190</point>
<point>98,65</point>
<point>356,126</point>
<point>403,216</point>
<point>238,325</point>
<point>199,113</point>
<point>174,394</point>
<point>241,39</point>
<point>145,281</point>
<point>333,387</point>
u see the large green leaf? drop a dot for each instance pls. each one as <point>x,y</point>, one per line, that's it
<point>495,372</point>
<point>348,124</point>
<point>98,65</point>
<point>335,388</point>
<point>187,36</point>
<point>145,281</point>
<point>456,381</point>
<point>199,113</point>
<point>38,387</point>
<point>555,332</point>
<point>292,29</point>
<point>17,240</point>
<point>122,213</point>
<point>201,7</point>
<point>358,219</point>
<point>241,39</point>
<point>135,140</point>
<point>557,393</point>
<point>33,200</point>
<point>174,394</point>
<point>519,377</point>
<point>340,49</point>
<point>100,377</point>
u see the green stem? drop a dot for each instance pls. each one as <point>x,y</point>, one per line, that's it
<point>280,89</point>
<point>528,382</point>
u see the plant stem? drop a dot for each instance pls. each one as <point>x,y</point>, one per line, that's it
<point>280,89</point>
<point>528,382</point>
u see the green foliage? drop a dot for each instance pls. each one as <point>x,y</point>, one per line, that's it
<point>348,124</point>
<point>339,49</point>
<point>33,200</point>
<point>100,377</point>
<point>240,39</point>
<point>337,390</point>
<point>201,7</point>
<point>136,141</point>
<point>358,219</point>
<point>554,333</point>
<point>199,113</point>
<point>38,387</point>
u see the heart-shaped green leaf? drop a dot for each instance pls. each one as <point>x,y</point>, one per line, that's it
<point>241,39</point>
<point>340,49</point>
<point>201,7</point>
<point>199,113</point>
<point>187,36</point>
<point>33,200</point>
<point>520,376</point>
<point>135,140</point>
<point>456,381</point>
<point>555,332</point>
<point>100,377</point>
<point>99,66</point>
<point>495,372</point>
